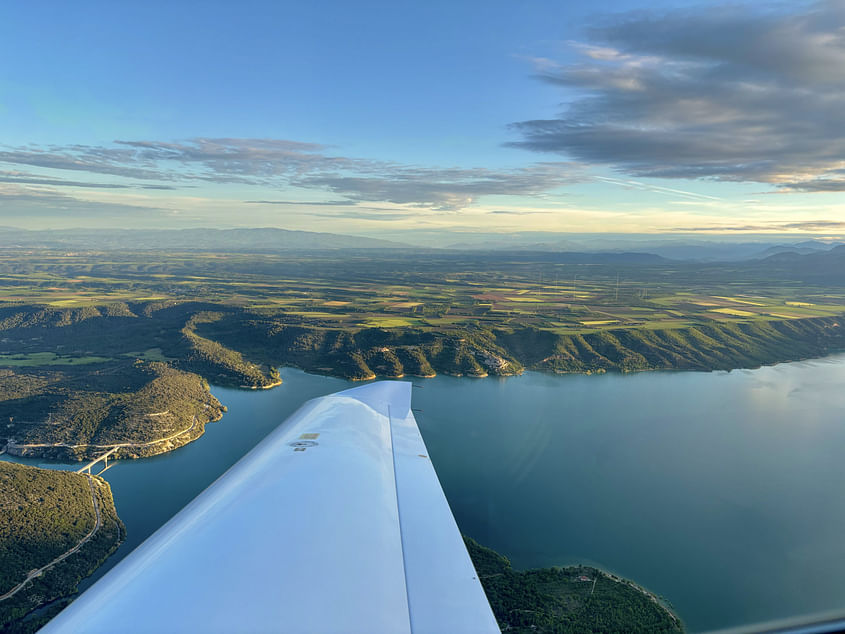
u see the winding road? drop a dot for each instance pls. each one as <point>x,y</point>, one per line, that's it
<point>38,572</point>
<point>113,446</point>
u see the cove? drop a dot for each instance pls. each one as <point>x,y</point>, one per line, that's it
<point>720,491</point>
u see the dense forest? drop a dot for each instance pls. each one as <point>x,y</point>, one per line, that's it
<point>45,514</point>
<point>147,406</point>
<point>576,599</point>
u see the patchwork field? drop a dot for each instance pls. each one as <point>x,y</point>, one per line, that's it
<point>99,349</point>
<point>421,290</point>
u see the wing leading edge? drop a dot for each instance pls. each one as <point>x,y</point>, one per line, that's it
<point>336,522</point>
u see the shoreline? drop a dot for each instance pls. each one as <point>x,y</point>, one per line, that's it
<point>592,372</point>
<point>31,450</point>
<point>651,595</point>
<point>46,455</point>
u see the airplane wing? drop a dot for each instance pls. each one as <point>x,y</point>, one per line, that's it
<point>336,522</point>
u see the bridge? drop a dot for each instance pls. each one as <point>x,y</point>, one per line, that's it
<point>104,458</point>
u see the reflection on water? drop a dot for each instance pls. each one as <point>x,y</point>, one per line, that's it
<point>720,491</point>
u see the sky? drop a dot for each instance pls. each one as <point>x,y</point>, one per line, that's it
<point>386,118</point>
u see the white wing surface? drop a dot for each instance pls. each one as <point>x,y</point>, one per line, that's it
<point>336,522</point>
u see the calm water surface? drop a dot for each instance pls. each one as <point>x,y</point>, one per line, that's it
<point>721,491</point>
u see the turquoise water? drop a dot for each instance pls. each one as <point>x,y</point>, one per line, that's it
<point>723,492</point>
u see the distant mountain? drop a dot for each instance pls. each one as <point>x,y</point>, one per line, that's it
<point>259,239</point>
<point>573,257</point>
<point>801,248</point>
<point>825,267</point>
<point>667,246</point>
<point>836,254</point>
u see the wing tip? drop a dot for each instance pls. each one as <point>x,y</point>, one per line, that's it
<point>380,394</point>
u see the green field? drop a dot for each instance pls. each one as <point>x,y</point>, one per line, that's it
<point>424,290</point>
<point>45,358</point>
<point>110,347</point>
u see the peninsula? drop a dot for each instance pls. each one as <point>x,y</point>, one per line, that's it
<point>577,599</point>
<point>58,527</point>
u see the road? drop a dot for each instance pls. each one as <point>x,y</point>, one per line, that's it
<point>37,573</point>
<point>112,446</point>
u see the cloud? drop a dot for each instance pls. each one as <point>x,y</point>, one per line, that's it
<point>32,179</point>
<point>446,189</point>
<point>298,203</point>
<point>731,94</point>
<point>803,225</point>
<point>219,160</point>
<point>380,216</point>
<point>517,212</point>
<point>816,185</point>
<point>278,163</point>
<point>48,203</point>
<point>629,184</point>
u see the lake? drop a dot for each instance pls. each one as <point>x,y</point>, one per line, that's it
<point>721,491</point>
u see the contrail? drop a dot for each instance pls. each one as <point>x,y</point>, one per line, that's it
<point>655,188</point>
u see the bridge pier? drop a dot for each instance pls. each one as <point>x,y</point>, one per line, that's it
<point>103,458</point>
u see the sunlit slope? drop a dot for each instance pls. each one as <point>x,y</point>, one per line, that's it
<point>80,381</point>
<point>714,346</point>
<point>57,523</point>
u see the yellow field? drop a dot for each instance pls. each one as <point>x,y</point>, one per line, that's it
<point>733,312</point>
<point>739,301</point>
<point>387,322</point>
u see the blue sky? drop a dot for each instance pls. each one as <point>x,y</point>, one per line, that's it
<point>386,117</point>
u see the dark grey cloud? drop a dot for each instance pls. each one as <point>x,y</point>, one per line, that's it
<point>274,163</point>
<point>817,185</point>
<point>730,93</point>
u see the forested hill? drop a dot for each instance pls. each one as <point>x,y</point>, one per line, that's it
<point>78,381</point>
<point>576,599</point>
<point>46,515</point>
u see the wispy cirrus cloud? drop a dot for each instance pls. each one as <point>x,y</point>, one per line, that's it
<point>300,203</point>
<point>733,93</point>
<point>278,164</point>
<point>800,226</point>
<point>446,189</point>
<point>46,202</point>
<point>33,179</point>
